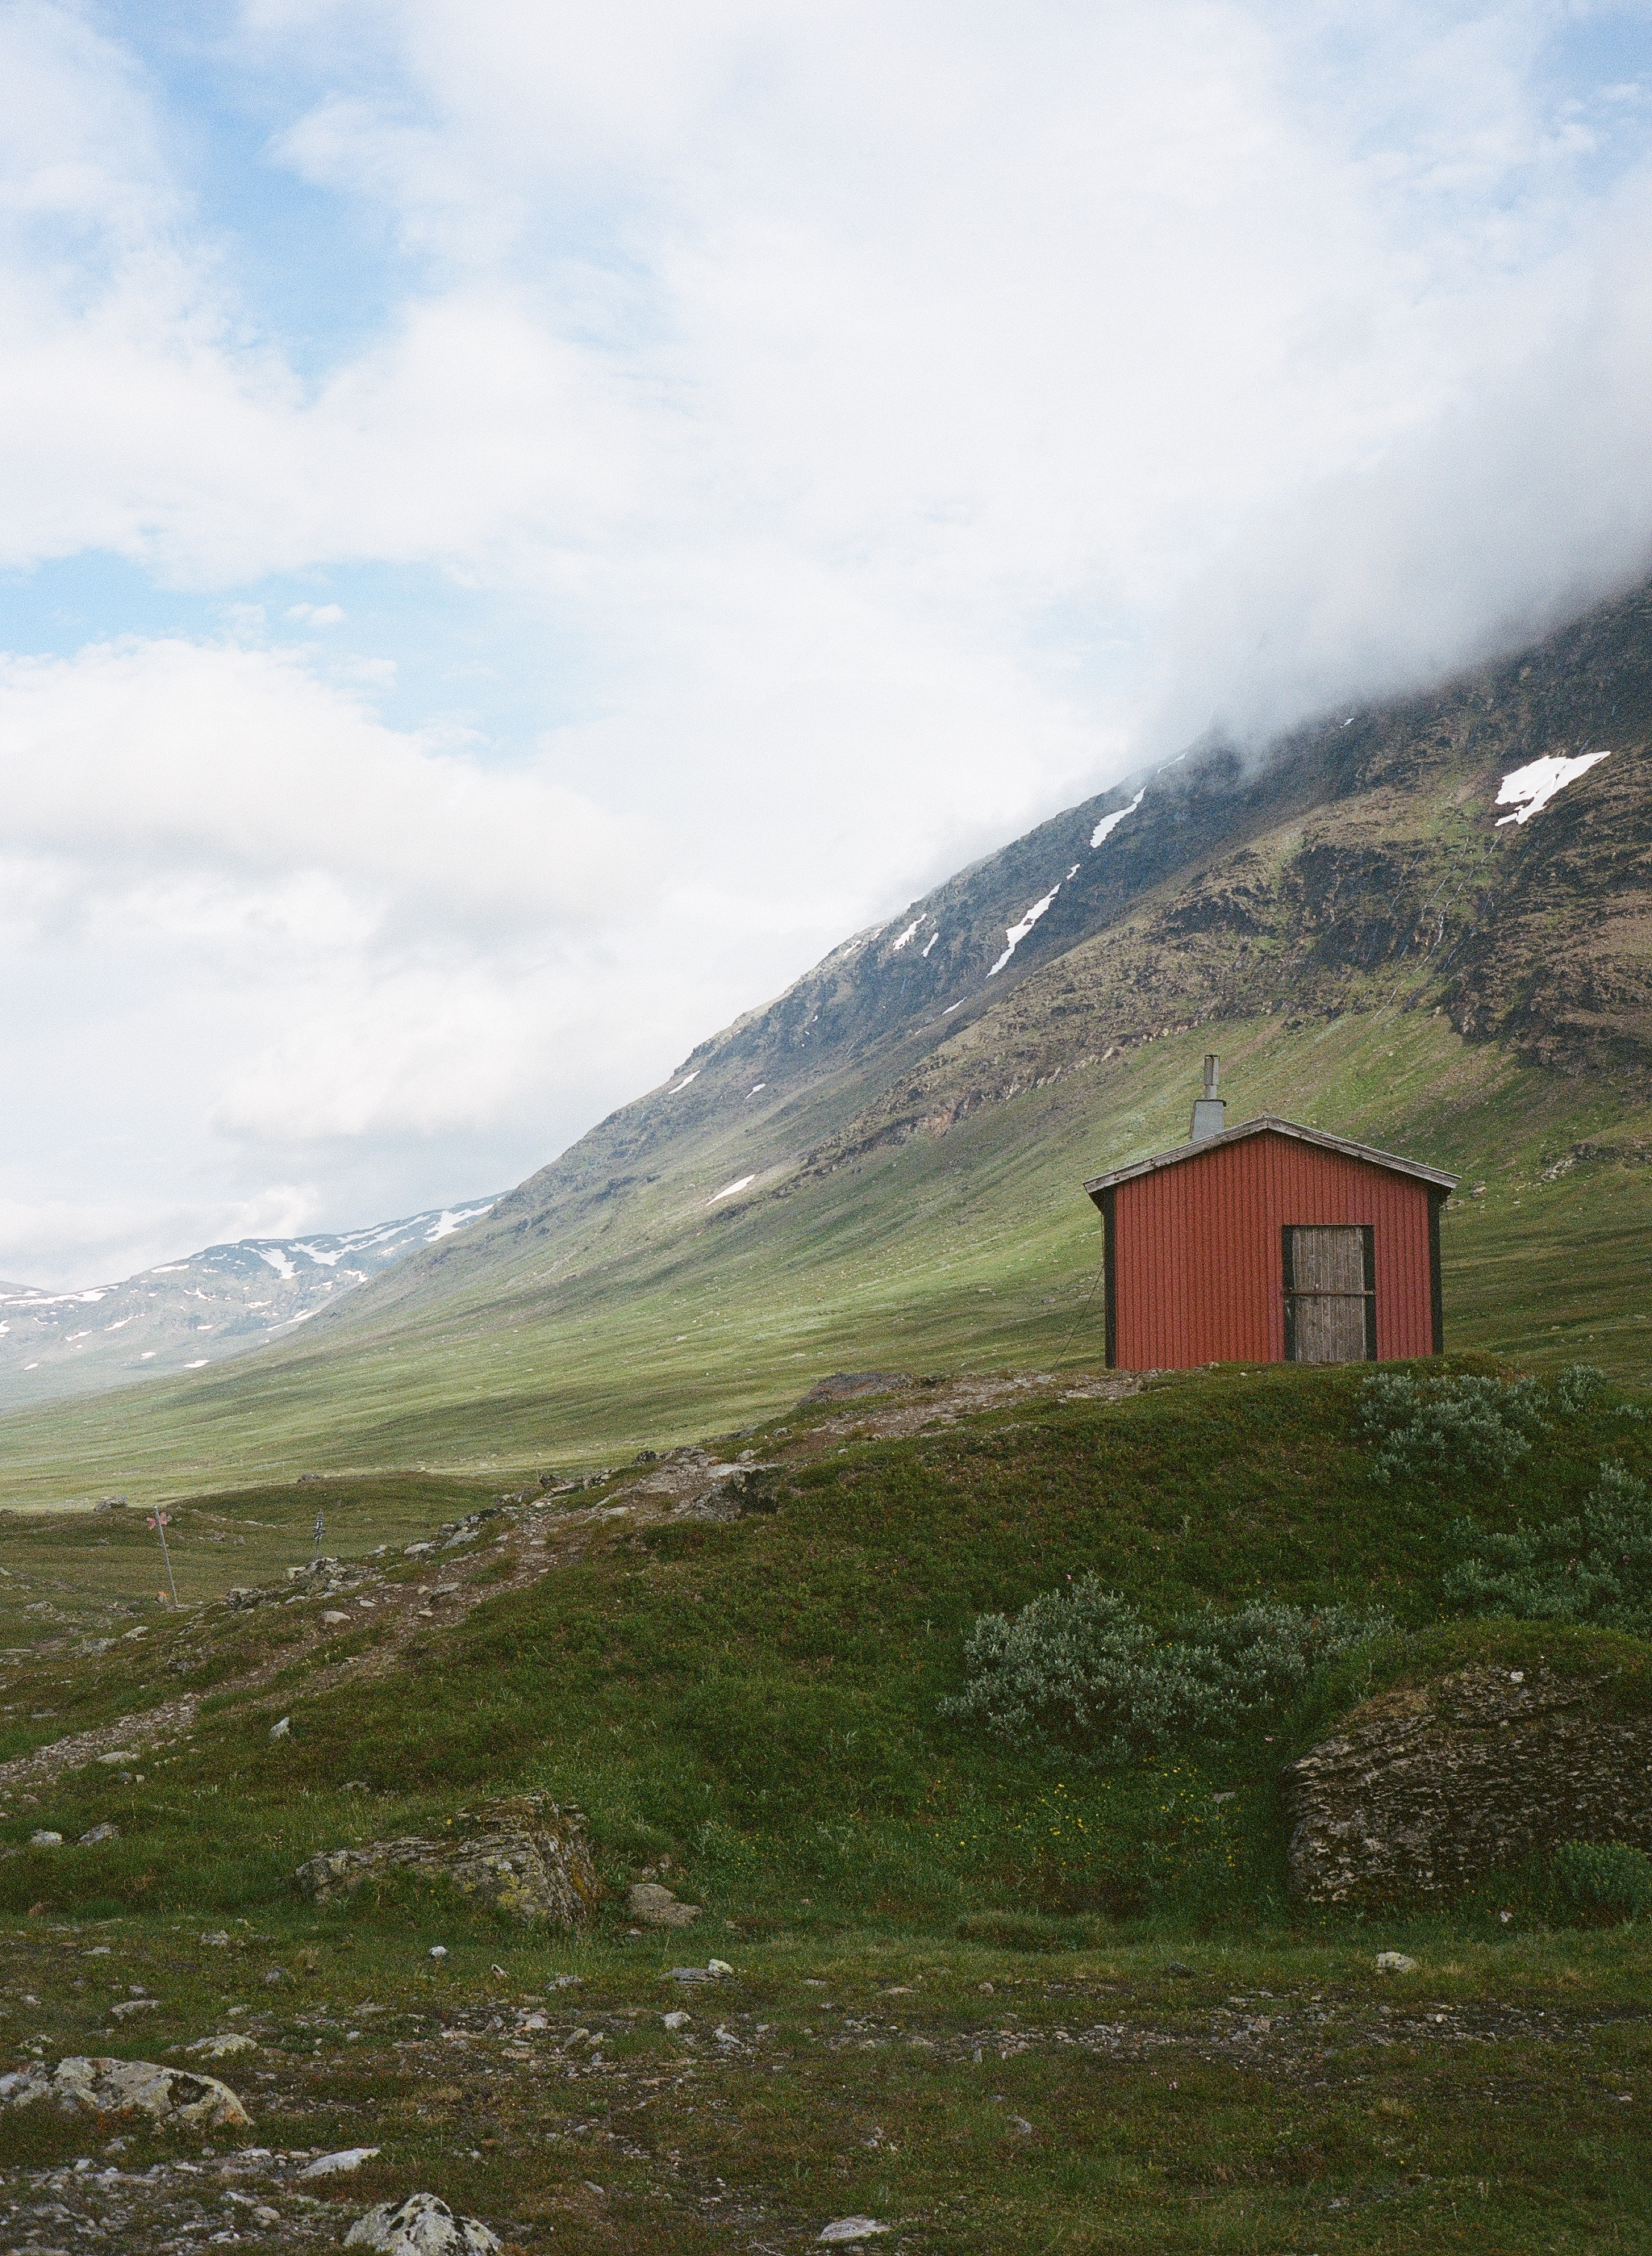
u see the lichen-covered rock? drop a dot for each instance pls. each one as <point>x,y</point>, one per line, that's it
<point>421,2225</point>
<point>1427,1790</point>
<point>522,1854</point>
<point>128,2087</point>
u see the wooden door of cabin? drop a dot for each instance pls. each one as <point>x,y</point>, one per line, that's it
<point>1330,1293</point>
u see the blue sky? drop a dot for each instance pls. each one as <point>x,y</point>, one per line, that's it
<point>467,478</point>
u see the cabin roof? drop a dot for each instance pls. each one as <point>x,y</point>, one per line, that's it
<point>1267,1124</point>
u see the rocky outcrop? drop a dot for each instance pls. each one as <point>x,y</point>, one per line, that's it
<point>128,2087</point>
<point>1427,1790</point>
<point>520,1854</point>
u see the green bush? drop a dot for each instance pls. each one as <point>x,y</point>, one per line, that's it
<point>1579,1388</point>
<point>1603,1882</point>
<point>1595,1566</point>
<point>1440,1430</point>
<point>1078,1677</point>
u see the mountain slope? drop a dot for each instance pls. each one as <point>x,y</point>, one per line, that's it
<point>883,1166</point>
<point>184,1315</point>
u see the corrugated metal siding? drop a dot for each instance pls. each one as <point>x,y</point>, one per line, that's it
<point>1198,1256</point>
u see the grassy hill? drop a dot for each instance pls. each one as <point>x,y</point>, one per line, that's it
<point>993,2003</point>
<point>883,1167</point>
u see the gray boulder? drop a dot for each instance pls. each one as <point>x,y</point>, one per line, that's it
<point>520,1854</point>
<point>421,2225</point>
<point>1427,1790</point>
<point>128,2087</point>
<point>653,1906</point>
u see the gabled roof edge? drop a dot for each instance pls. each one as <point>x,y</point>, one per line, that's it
<point>1267,1123</point>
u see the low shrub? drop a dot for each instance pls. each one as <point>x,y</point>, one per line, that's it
<point>1593,1567</point>
<point>1442,1429</point>
<point>1579,1388</point>
<point>1603,1883</point>
<point>1078,1677</point>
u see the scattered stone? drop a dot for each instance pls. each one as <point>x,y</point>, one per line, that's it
<point>657,1907</point>
<point>689,1974</point>
<point>718,1967</point>
<point>220,2048</point>
<point>332,2165</point>
<point>1178,1968</point>
<point>1394,1962</point>
<point>89,1840</point>
<point>134,2005</point>
<point>119,1755</point>
<point>44,1839</point>
<point>218,1942</point>
<point>1430,1789</point>
<point>438,1950</point>
<point>522,1854</point>
<point>128,2087</point>
<point>331,1617</point>
<point>282,1730</point>
<point>677,2020</point>
<point>421,2225</point>
<point>844,1383</point>
<point>852,2228</point>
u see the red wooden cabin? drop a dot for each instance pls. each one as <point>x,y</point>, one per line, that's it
<point>1269,1243</point>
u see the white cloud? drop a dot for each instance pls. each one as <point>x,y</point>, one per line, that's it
<point>929,411</point>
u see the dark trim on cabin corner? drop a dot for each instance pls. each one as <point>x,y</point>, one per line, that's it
<point>1436,1295</point>
<point>1110,1275</point>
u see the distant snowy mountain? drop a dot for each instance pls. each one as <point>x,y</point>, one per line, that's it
<point>182,1315</point>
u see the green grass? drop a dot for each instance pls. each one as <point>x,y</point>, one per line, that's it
<point>759,1700</point>
<point>756,1703</point>
<point>660,1319</point>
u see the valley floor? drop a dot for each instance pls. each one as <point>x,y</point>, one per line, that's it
<point>1170,2093</point>
<point>989,2007</point>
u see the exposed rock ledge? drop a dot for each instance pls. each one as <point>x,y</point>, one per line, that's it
<point>522,1854</point>
<point>1426,1791</point>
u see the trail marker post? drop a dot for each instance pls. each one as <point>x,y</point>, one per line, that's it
<point>160,1521</point>
<point>321,1530</point>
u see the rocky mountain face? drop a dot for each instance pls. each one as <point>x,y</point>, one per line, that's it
<point>184,1315</point>
<point>1483,853</point>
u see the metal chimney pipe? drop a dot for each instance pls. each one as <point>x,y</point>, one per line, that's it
<point>1210,1113</point>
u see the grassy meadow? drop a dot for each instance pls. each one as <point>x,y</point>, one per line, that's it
<point>993,2003</point>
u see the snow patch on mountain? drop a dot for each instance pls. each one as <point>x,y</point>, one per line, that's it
<point>1528,790</point>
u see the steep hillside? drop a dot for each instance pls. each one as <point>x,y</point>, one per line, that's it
<point>184,1315</point>
<point>1423,924</point>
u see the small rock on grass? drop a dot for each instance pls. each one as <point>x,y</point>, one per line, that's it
<point>853,2228</point>
<point>220,2048</point>
<point>44,1839</point>
<point>421,2225</point>
<point>657,1906</point>
<point>332,2165</point>
<point>1394,1962</point>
